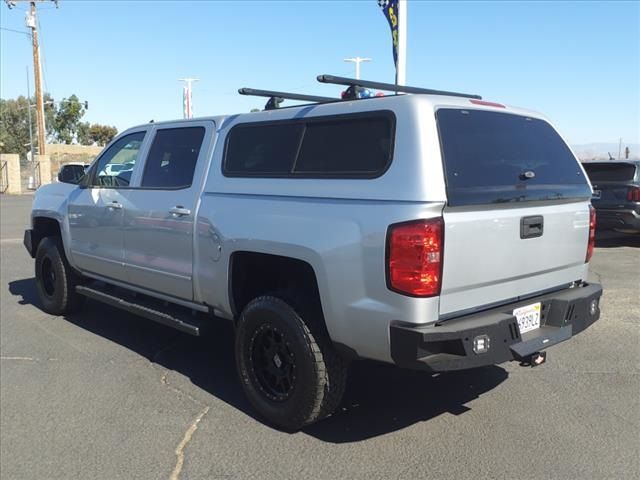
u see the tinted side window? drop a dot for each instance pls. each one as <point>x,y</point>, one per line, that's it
<point>492,157</point>
<point>262,149</point>
<point>172,158</point>
<point>356,146</point>
<point>115,166</point>
<point>344,146</point>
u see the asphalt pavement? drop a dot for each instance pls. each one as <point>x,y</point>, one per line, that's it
<point>106,395</point>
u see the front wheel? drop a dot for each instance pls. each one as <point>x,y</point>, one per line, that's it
<point>288,368</point>
<point>55,279</point>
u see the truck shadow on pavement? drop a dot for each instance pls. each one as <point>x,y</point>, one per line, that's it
<point>379,399</point>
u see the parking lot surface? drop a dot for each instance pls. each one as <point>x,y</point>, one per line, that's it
<point>106,395</point>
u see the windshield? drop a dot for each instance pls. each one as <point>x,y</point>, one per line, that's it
<point>494,157</point>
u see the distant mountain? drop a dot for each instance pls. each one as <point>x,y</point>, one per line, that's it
<point>600,151</point>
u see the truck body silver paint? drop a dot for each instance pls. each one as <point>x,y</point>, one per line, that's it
<point>337,226</point>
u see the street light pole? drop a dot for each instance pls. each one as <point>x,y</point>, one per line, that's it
<point>187,107</point>
<point>357,61</point>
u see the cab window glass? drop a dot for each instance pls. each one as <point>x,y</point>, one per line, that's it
<point>172,158</point>
<point>115,166</point>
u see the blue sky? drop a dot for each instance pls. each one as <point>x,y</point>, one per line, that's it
<point>577,62</point>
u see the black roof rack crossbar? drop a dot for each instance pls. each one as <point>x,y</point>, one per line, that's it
<point>389,86</point>
<point>276,98</point>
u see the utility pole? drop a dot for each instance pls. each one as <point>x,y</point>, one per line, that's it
<point>37,71</point>
<point>187,106</point>
<point>357,61</point>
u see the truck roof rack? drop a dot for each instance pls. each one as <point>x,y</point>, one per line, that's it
<point>355,84</point>
<point>276,98</point>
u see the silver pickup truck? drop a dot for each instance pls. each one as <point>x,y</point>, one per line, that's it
<point>431,230</point>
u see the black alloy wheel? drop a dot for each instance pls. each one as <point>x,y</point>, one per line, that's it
<point>272,362</point>
<point>55,279</point>
<point>288,367</point>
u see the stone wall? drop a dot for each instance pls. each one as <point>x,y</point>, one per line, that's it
<point>10,164</point>
<point>63,154</point>
<point>22,174</point>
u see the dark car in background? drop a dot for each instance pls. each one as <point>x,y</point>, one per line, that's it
<point>616,194</point>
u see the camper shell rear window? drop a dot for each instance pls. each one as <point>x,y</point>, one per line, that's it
<point>494,157</point>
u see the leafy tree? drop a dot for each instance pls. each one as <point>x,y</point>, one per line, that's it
<point>102,134</point>
<point>83,134</point>
<point>14,126</point>
<point>62,119</point>
<point>14,123</point>
<point>95,134</point>
<point>67,119</point>
<point>50,110</point>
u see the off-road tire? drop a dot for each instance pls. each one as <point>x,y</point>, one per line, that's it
<point>55,279</point>
<point>320,373</point>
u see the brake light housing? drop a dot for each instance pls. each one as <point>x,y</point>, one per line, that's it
<point>592,233</point>
<point>487,104</point>
<point>633,194</point>
<point>415,254</point>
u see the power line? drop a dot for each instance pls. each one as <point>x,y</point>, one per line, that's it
<point>15,31</point>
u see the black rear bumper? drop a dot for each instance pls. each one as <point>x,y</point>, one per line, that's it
<point>449,345</point>
<point>608,218</point>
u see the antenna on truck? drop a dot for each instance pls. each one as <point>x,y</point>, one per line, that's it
<point>276,98</point>
<point>356,85</point>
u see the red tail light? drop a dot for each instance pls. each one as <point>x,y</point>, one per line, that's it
<point>592,233</point>
<point>415,257</point>
<point>633,195</point>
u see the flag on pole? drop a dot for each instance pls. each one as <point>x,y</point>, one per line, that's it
<point>390,10</point>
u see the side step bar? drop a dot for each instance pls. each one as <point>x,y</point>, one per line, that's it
<point>143,308</point>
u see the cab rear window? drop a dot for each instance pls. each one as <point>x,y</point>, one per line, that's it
<point>495,157</point>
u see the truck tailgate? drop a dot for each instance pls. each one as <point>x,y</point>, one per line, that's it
<point>517,213</point>
<point>487,262</point>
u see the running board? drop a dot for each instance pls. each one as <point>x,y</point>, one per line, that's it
<point>144,307</point>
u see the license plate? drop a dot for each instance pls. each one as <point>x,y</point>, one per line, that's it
<point>528,317</point>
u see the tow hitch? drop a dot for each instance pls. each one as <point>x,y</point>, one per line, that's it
<point>534,359</point>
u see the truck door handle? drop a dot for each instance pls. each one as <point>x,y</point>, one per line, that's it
<point>179,211</point>
<point>531,227</point>
<point>115,205</point>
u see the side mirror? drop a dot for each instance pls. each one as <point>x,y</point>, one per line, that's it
<point>71,174</point>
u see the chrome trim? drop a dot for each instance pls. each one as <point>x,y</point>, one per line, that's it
<point>159,272</point>
<point>95,257</point>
